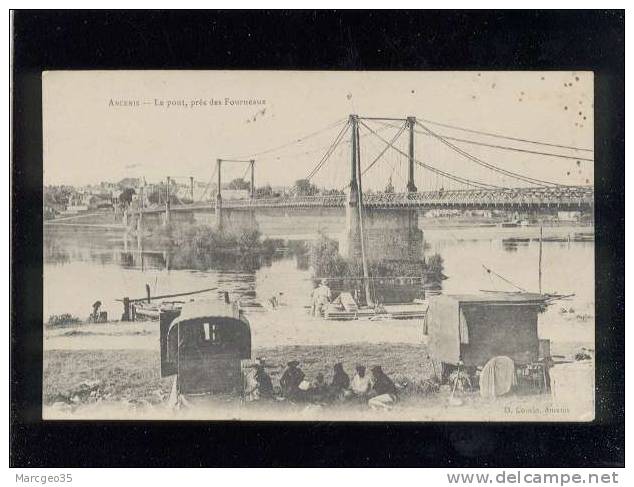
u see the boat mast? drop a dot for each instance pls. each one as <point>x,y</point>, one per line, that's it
<point>364,265</point>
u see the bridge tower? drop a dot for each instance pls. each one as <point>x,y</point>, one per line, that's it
<point>252,186</point>
<point>219,214</point>
<point>167,202</point>
<point>139,221</point>
<point>382,234</point>
<point>235,219</point>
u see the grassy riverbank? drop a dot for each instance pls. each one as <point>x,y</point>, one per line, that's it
<point>124,384</point>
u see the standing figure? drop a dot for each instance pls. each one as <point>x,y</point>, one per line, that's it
<point>321,297</point>
<point>95,311</point>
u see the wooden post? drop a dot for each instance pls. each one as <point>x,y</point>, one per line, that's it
<point>364,264</point>
<point>191,187</point>
<point>411,185</point>
<point>147,290</point>
<point>126,309</point>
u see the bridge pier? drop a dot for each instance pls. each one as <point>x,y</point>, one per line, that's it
<point>236,220</point>
<point>390,234</point>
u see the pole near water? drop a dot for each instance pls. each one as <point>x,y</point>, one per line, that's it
<point>357,174</point>
<point>354,122</point>
<point>411,185</point>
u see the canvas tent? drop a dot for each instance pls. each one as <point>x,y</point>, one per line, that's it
<point>475,328</point>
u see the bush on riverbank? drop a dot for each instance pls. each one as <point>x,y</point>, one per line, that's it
<point>62,320</point>
<point>327,262</point>
<point>203,247</point>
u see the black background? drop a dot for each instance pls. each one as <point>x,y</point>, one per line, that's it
<point>385,40</point>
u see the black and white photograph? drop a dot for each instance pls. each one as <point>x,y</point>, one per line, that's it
<point>319,246</point>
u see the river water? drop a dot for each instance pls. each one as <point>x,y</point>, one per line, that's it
<point>83,265</point>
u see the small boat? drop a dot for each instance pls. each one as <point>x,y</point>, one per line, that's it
<point>152,311</point>
<point>583,237</point>
<point>507,224</point>
<point>515,240</point>
<point>344,308</point>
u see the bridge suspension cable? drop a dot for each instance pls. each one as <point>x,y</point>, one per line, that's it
<point>322,147</point>
<point>502,147</point>
<point>328,153</point>
<point>500,136</point>
<point>458,179</point>
<point>516,149</point>
<point>293,142</point>
<point>492,167</point>
<point>213,176</point>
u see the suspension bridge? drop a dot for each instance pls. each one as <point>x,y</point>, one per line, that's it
<point>356,172</point>
<point>497,187</point>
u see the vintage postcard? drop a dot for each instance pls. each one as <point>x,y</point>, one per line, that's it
<point>287,245</point>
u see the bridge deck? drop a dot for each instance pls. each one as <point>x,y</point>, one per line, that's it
<point>569,198</point>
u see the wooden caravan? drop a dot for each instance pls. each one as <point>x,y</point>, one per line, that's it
<point>475,328</point>
<point>203,345</point>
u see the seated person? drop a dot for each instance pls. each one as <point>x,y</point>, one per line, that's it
<point>318,391</point>
<point>360,384</point>
<point>264,384</point>
<point>383,393</point>
<point>340,382</point>
<point>291,379</point>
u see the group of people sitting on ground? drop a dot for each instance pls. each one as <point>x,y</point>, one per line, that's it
<point>376,388</point>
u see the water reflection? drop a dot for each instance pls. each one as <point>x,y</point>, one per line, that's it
<point>83,265</point>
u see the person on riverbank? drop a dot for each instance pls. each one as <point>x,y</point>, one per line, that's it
<point>321,297</point>
<point>360,384</point>
<point>96,308</point>
<point>383,393</point>
<point>318,391</point>
<point>291,379</point>
<point>340,382</point>
<point>263,381</point>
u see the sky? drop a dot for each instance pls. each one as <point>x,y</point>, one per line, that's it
<point>90,137</point>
